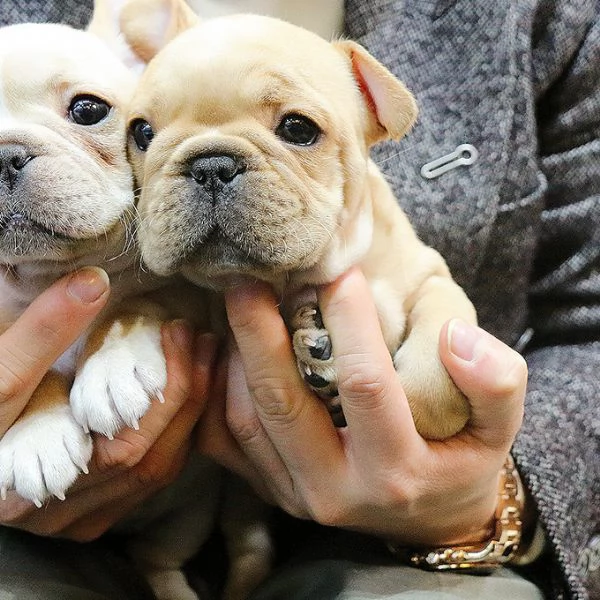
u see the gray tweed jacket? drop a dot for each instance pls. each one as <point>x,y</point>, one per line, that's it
<point>519,80</point>
<point>520,227</point>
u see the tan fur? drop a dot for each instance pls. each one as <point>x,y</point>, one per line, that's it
<point>70,203</point>
<point>306,214</point>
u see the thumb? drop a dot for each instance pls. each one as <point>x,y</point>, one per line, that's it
<point>52,322</point>
<point>492,376</point>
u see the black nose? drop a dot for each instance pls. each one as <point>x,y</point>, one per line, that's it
<point>214,172</point>
<point>13,157</point>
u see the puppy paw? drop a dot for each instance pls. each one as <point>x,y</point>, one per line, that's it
<point>314,355</point>
<point>42,455</point>
<point>438,407</point>
<point>116,384</point>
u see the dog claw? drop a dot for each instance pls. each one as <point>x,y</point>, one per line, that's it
<point>309,342</point>
<point>337,416</point>
<point>3,492</point>
<point>315,380</point>
<point>321,348</point>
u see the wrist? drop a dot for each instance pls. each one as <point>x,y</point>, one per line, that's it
<point>481,555</point>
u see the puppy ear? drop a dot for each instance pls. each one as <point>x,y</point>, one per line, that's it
<point>105,25</point>
<point>392,109</point>
<point>148,25</point>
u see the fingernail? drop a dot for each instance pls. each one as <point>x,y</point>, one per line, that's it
<point>181,333</point>
<point>206,347</point>
<point>88,284</point>
<point>463,339</point>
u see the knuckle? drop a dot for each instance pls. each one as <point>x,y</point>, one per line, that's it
<point>113,456</point>
<point>11,384</point>
<point>276,403</point>
<point>90,532</point>
<point>244,429</point>
<point>512,379</point>
<point>15,513</point>
<point>365,382</point>
<point>330,514</point>
<point>154,473</point>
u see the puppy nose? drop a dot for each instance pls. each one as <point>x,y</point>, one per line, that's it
<point>215,171</point>
<point>13,157</point>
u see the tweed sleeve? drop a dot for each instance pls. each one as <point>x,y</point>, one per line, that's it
<point>72,12</point>
<point>558,449</point>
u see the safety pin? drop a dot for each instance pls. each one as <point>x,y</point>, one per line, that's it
<point>465,154</point>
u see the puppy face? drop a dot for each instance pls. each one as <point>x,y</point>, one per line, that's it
<point>65,183</point>
<point>249,138</point>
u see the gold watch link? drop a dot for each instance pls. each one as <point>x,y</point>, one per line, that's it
<point>485,556</point>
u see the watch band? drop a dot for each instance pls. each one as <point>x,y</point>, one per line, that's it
<point>488,555</point>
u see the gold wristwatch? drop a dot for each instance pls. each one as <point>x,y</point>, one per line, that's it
<point>488,555</point>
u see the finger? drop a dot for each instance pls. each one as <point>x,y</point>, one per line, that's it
<point>90,512</point>
<point>262,465</point>
<point>43,332</point>
<point>214,439</point>
<point>130,445</point>
<point>492,376</point>
<point>376,410</point>
<point>133,472</point>
<point>295,421</point>
<point>97,509</point>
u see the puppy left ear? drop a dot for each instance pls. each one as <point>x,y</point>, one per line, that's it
<point>105,25</point>
<point>392,109</point>
<point>149,25</point>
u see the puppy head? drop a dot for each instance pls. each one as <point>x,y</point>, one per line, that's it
<point>65,182</point>
<point>249,138</point>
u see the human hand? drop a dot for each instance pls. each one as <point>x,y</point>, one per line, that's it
<point>136,463</point>
<point>53,321</point>
<point>376,475</point>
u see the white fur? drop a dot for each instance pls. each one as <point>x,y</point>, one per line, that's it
<point>43,454</point>
<point>115,385</point>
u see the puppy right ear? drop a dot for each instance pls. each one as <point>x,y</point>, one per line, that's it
<point>391,108</point>
<point>149,25</point>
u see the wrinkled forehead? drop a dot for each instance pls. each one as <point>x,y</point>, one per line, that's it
<point>244,60</point>
<point>37,57</point>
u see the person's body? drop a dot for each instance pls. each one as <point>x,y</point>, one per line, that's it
<point>520,229</point>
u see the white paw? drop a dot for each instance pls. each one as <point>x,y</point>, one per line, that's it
<point>42,454</point>
<point>116,384</point>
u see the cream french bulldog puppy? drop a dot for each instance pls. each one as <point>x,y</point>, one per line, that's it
<point>250,140</point>
<point>66,200</point>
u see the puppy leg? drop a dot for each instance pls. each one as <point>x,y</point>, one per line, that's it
<point>168,530</point>
<point>45,450</point>
<point>122,368</point>
<point>244,522</point>
<point>438,407</point>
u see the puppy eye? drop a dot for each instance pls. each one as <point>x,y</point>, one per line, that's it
<point>88,110</point>
<point>298,130</point>
<point>142,133</point>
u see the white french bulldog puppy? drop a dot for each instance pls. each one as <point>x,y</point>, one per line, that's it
<point>250,140</point>
<point>67,200</point>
